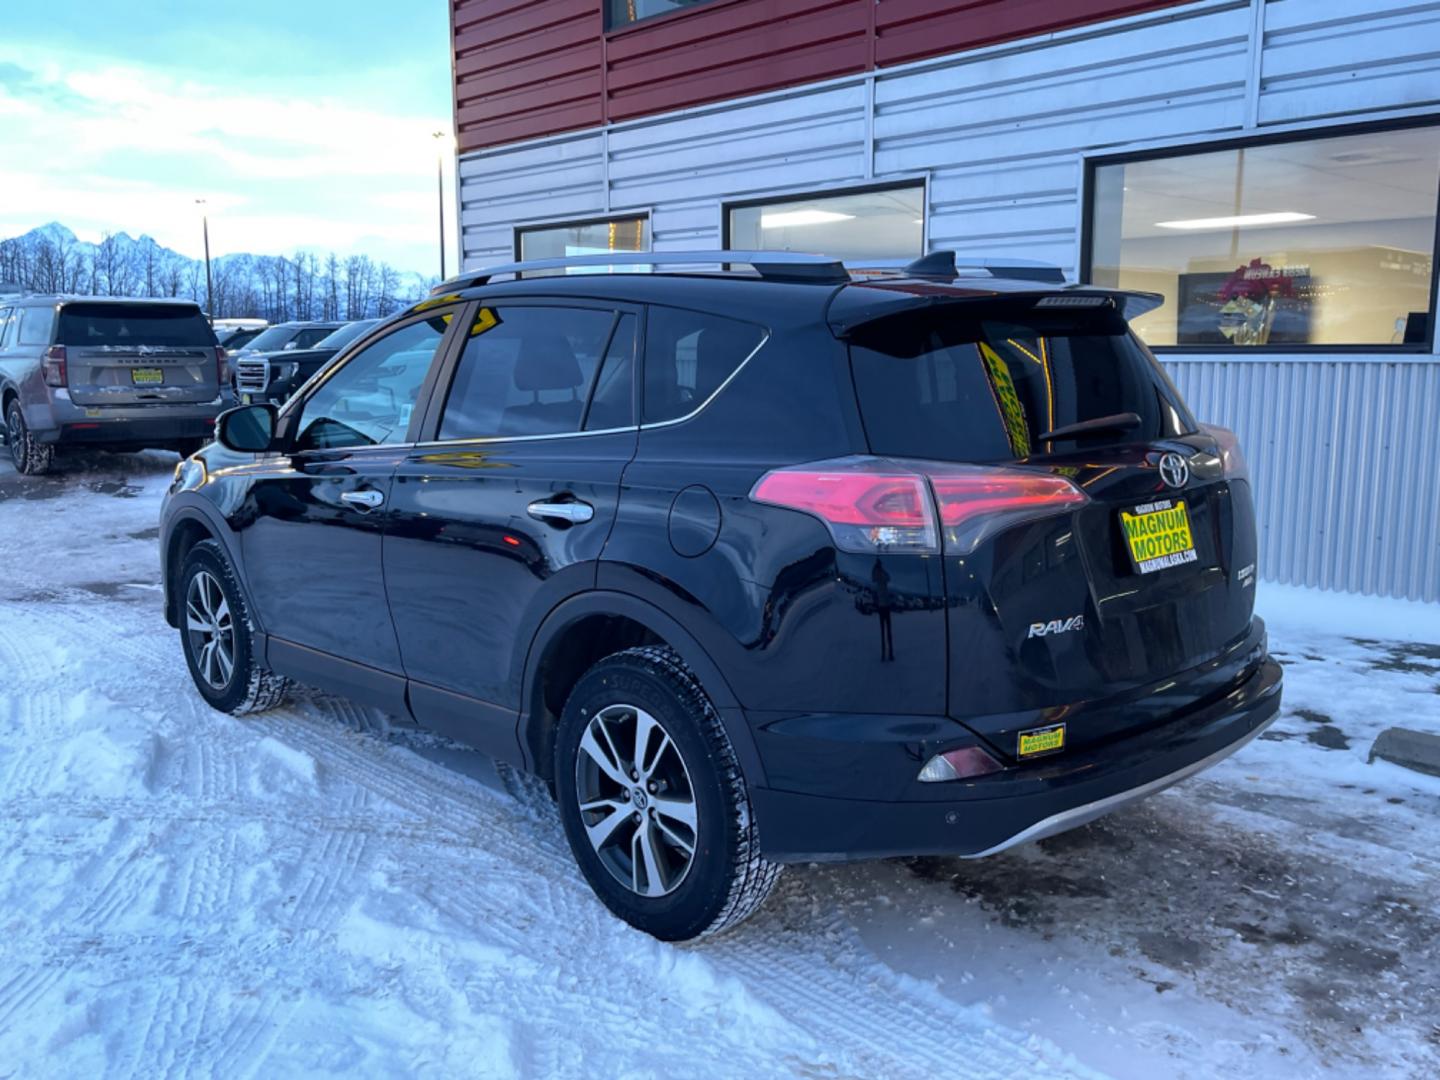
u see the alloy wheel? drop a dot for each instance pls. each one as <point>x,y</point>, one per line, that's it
<point>637,803</point>
<point>211,630</point>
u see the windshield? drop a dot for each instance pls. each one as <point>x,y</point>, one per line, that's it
<point>346,334</point>
<point>953,386</point>
<point>110,325</point>
<point>274,338</point>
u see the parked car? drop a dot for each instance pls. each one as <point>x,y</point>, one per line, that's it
<point>109,373</point>
<point>755,568</point>
<point>287,335</point>
<point>236,334</point>
<point>275,376</point>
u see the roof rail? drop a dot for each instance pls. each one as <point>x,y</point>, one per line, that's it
<point>947,264</point>
<point>770,265</point>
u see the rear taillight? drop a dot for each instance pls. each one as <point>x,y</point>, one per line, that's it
<point>54,367</point>
<point>222,365</point>
<point>875,506</point>
<point>1227,446</point>
<point>869,505</point>
<point>977,503</point>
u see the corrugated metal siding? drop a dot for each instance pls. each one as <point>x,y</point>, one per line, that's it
<point>1002,135</point>
<point>915,29</point>
<point>525,68</point>
<point>731,50</point>
<point>1342,454</point>
<point>1329,57</point>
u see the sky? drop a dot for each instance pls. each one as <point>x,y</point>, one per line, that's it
<point>301,123</point>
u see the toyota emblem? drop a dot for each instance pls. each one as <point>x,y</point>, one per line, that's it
<point>1174,470</point>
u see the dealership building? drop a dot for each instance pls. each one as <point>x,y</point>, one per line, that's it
<point>1271,168</point>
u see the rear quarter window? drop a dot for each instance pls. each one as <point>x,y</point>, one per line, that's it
<point>955,386</point>
<point>37,325</point>
<point>110,325</point>
<point>688,356</point>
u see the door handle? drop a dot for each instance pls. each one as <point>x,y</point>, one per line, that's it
<point>572,513</point>
<point>363,500</point>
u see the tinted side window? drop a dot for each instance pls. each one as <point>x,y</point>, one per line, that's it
<point>4,327</point>
<point>525,371</point>
<point>306,339</point>
<point>371,399</point>
<point>612,405</point>
<point>688,355</point>
<point>37,325</point>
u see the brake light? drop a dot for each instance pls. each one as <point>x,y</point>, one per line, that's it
<point>874,506</point>
<point>976,503</point>
<point>869,505</point>
<point>222,367</point>
<point>1227,445</point>
<point>54,367</point>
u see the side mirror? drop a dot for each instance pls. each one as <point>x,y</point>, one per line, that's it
<point>249,429</point>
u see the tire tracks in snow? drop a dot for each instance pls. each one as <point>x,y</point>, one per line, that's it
<point>895,1032</point>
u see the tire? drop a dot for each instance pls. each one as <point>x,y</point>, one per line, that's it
<point>230,679</point>
<point>31,457</point>
<point>668,894</point>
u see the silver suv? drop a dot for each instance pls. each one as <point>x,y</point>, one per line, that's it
<point>107,373</point>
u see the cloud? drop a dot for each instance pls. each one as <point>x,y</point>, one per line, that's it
<point>110,146</point>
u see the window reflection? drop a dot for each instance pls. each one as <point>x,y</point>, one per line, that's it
<point>885,224</point>
<point>1318,242</point>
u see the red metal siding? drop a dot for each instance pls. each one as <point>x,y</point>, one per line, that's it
<point>526,68</point>
<point>914,29</point>
<point>725,50</point>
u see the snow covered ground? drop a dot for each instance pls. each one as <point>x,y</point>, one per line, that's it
<point>317,891</point>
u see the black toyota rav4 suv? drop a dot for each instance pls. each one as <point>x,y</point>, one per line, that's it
<point>756,566</point>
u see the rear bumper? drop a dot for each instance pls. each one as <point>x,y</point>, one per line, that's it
<point>990,814</point>
<point>63,423</point>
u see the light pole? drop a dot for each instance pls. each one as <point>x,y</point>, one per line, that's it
<point>209,283</point>
<point>440,193</point>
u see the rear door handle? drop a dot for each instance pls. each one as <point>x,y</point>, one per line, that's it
<point>363,500</point>
<point>572,513</point>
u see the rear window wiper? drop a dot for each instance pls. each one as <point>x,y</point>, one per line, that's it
<point>1118,422</point>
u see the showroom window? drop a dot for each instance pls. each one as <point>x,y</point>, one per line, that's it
<point>620,13</point>
<point>1311,241</point>
<point>870,223</point>
<point>556,241</point>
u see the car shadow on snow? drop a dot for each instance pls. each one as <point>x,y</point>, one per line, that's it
<point>1247,918</point>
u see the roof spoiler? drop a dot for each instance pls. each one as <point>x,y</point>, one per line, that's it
<point>1070,297</point>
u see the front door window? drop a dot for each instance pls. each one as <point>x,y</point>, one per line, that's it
<point>371,400</point>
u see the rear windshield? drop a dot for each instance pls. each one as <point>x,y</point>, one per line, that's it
<point>101,325</point>
<point>952,386</point>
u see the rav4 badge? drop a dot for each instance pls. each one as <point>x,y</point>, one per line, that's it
<point>1057,626</point>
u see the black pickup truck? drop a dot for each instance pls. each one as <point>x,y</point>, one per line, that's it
<point>274,376</point>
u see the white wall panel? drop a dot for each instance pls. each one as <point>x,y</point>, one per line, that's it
<point>1342,454</point>
<point>1343,449</point>
<point>1330,57</point>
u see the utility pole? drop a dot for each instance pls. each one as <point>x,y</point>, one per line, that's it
<point>209,282</point>
<point>440,192</point>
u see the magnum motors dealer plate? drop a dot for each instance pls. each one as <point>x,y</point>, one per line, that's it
<point>1158,535</point>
